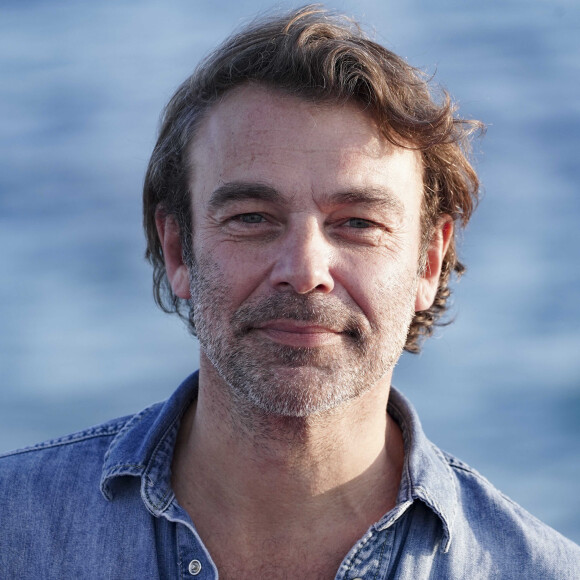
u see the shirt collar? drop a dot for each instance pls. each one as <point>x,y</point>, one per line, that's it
<point>426,473</point>
<point>144,448</point>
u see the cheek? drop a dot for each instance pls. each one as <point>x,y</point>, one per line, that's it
<point>381,289</point>
<point>238,271</point>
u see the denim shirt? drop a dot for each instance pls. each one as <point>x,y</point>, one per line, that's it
<point>99,504</point>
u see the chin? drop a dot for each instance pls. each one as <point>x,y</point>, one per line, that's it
<point>297,392</point>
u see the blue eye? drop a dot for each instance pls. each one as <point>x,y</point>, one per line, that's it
<point>250,218</point>
<point>359,223</point>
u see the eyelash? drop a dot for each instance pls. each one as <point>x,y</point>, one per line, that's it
<point>240,218</point>
<point>366,223</point>
<point>244,218</point>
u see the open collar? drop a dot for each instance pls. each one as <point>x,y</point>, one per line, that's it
<point>426,476</point>
<point>144,448</point>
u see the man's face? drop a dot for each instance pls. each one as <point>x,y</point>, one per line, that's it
<point>306,231</point>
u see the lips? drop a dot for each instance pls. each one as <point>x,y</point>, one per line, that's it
<point>298,333</point>
<point>298,326</point>
<point>299,320</point>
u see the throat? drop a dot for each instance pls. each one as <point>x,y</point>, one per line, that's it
<point>294,494</point>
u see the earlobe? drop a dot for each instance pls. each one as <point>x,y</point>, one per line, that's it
<point>170,239</point>
<point>429,280</point>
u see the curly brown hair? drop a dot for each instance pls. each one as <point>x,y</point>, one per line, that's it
<point>319,56</point>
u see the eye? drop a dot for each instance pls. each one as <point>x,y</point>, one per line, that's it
<point>359,223</point>
<point>359,230</point>
<point>249,218</point>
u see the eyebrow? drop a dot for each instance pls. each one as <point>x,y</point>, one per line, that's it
<point>240,191</point>
<point>379,197</point>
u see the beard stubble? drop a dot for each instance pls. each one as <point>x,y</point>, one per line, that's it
<point>287,381</point>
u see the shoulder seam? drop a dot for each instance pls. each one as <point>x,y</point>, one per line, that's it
<point>108,430</point>
<point>456,463</point>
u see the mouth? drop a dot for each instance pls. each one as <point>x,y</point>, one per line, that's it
<point>298,333</point>
<point>300,321</point>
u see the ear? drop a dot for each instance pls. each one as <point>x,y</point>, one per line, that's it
<point>429,280</point>
<point>169,236</point>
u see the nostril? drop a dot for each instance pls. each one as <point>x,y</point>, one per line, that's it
<point>305,282</point>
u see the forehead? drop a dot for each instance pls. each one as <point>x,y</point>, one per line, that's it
<point>265,136</point>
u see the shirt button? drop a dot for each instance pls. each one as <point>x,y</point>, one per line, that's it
<point>194,567</point>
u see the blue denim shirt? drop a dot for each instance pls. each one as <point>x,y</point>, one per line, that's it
<point>99,504</point>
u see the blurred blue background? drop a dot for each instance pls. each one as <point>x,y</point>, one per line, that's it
<point>82,85</point>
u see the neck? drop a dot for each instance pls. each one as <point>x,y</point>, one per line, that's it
<point>259,470</point>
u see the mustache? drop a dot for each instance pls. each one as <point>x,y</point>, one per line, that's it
<point>327,312</point>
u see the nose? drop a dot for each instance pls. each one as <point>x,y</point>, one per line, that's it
<point>303,261</point>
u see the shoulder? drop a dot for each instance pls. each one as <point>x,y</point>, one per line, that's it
<point>512,537</point>
<point>93,438</point>
<point>91,443</point>
<point>66,467</point>
<point>52,506</point>
<point>72,462</point>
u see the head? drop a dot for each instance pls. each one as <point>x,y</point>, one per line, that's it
<point>319,58</point>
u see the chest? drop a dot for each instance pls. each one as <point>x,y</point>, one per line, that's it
<point>276,571</point>
<point>277,560</point>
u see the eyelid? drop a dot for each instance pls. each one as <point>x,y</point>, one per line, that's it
<point>239,216</point>
<point>249,220</point>
<point>370,223</point>
<point>239,207</point>
<point>236,211</point>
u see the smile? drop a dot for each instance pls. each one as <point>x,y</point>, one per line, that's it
<point>298,333</point>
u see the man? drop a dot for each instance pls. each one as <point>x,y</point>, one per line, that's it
<point>300,208</point>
